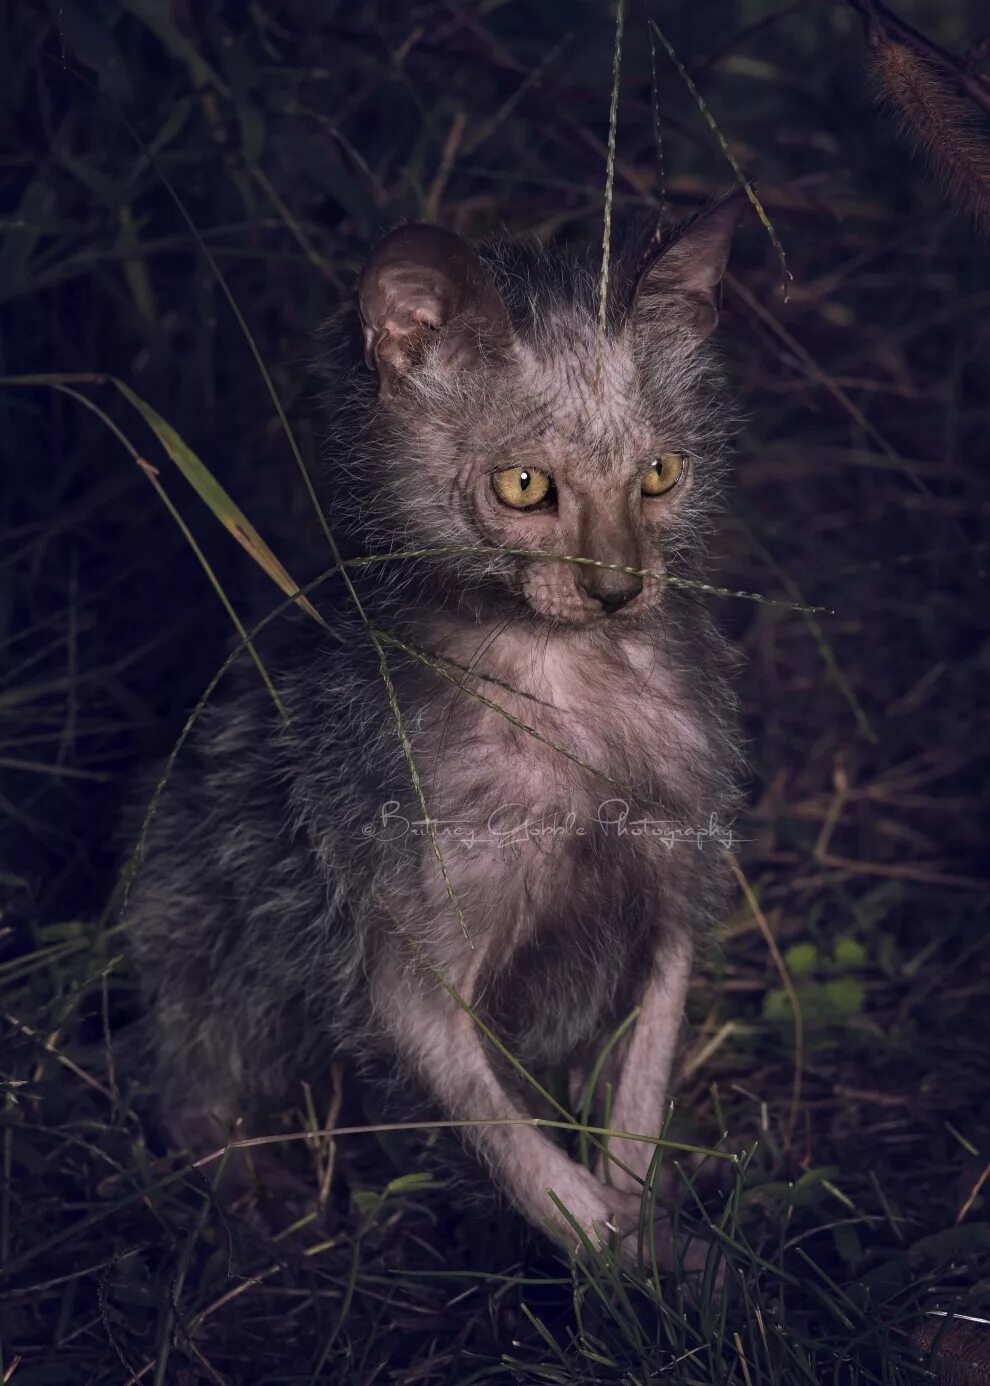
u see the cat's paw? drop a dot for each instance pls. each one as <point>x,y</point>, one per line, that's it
<point>644,1237</point>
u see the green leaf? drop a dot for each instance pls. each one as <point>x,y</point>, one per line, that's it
<point>822,1003</point>
<point>801,959</point>
<point>414,1182</point>
<point>366,1201</point>
<point>817,1174</point>
<point>845,995</point>
<point>776,1005</point>
<point>849,952</point>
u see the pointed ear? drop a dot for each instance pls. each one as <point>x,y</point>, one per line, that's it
<point>425,284</point>
<point>682,278</point>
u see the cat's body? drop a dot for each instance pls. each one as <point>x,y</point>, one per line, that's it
<point>291,905</point>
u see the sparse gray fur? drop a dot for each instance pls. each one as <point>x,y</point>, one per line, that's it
<point>280,918</point>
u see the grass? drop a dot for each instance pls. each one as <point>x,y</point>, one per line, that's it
<point>291,136</point>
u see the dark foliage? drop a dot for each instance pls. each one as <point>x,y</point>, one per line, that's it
<point>149,144</point>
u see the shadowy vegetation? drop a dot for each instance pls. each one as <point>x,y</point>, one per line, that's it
<point>152,146</point>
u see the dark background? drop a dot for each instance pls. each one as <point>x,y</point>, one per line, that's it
<point>141,141</point>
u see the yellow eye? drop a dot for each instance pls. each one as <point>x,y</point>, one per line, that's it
<point>521,487</point>
<point>663,473</point>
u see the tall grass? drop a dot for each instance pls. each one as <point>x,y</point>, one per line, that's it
<point>188,191</point>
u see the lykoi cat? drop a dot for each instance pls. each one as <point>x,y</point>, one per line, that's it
<point>475,408</point>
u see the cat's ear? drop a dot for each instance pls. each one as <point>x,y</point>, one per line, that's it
<point>681,280</point>
<point>425,284</point>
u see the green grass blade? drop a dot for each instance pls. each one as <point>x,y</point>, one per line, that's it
<point>206,486</point>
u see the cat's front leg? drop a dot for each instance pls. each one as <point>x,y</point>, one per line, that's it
<point>644,1080</point>
<point>437,1038</point>
<point>640,1108</point>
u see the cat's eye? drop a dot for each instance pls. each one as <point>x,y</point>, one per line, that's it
<point>663,473</point>
<point>521,487</point>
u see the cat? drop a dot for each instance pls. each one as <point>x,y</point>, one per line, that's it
<point>571,725</point>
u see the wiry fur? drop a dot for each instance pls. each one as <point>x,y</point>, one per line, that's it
<point>280,919</point>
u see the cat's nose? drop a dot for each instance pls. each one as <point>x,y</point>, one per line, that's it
<point>614,601</point>
<point>614,590</point>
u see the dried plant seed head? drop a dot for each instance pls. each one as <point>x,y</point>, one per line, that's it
<point>939,124</point>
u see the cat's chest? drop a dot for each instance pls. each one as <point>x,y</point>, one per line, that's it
<point>560,730</point>
<point>555,774</point>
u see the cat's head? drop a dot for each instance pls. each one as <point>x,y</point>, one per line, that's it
<point>507,419</point>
